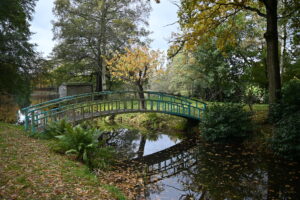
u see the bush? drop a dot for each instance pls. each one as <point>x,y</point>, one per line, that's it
<point>84,144</point>
<point>226,122</point>
<point>102,158</point>
<point>291,94</point>
<point>286,117</point>
<point>55,128</point>
<point>77,141</point>
<point>52,130</point>
<point>290,102</point>
<point>152,121</point>
<point>276,112</point>
<point>286,138</point>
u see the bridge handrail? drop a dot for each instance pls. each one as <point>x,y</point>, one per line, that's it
<point>80,105</point>
<point>49,103</point>
<point>83,103</point>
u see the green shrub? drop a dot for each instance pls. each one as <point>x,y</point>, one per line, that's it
<point>84,144</point>
<point>286,138</point>
<point>152,121</point>
<point>226,122</point>
<point>88,125</point>
<point>290,102</point>
<point>276,112</point>
<point>79,142</point>
<point>286,117</point>
<point>53,129</point>
<point>103,158</point>
<point>291,94</point>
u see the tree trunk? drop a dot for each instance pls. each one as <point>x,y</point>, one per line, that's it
<point>142,146</point>
<point>99,87</point>
<point>142,96</point>
<point>271,37</point>
<point>101,76</point>
<point>284,47</point>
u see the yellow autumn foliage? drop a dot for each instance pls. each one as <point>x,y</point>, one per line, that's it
<point>199,19</point>
<point>136,65</point>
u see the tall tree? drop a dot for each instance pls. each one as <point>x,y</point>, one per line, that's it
<point>136,66</point>
<point>219,69</point>
<point>199,18</point>
<point>89,30</point>
<point>16,53</point>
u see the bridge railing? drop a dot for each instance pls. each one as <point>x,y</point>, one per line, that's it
<point>84,106</point>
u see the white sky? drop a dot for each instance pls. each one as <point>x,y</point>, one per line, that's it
<point>162,14</point>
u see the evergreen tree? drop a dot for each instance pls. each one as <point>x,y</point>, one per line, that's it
<point>16,53</point>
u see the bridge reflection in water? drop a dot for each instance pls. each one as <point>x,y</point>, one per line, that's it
<point>216,172</point>
<point>168,162</point>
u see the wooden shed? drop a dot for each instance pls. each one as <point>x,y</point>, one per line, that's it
<point>69,89</point>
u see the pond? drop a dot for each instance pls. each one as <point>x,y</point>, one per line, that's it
<point>191,169</point>
<point>10,111</point>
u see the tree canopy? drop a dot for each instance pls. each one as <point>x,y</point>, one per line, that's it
<point>87,31</point>
<point>136,66</point>
<point>16,53</point>
<point>199,19</point>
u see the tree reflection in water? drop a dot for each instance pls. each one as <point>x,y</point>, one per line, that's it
<point>191,170</point>
<point>231,172</point>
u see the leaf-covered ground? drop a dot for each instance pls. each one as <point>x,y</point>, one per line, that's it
<point>29,170</point>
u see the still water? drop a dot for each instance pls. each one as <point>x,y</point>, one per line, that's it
<point>189,169</point>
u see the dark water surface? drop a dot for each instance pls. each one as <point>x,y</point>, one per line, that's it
<point>190,169</point>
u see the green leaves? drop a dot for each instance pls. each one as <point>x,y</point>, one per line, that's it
<point>82,142</point>
<point>225,122</point>
<point>71,151</point>
<point>17,55</point>
<point>89,30</point>
<point>286,138</point>
<point>56,129</point>
<point>286,116</point>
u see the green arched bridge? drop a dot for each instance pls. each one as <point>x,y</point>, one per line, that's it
<point>87,106</point>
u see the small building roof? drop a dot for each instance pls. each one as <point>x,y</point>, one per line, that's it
<point>76,84</point>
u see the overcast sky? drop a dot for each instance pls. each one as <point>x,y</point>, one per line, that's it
<point>162,14</point>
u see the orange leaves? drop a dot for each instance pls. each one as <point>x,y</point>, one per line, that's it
<point>135,65</point>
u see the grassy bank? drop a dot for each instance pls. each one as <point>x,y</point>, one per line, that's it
<point>153,121</point>
<point>165,122</point>
<point>29,170</point>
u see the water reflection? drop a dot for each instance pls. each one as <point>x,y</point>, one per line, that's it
<point>10,111</point>
<point>196,170</point>
<point>131,143</point>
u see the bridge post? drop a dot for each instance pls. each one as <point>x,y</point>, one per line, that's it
<point>32,122</point>
<point>26,120</point>
<point>74,114</point>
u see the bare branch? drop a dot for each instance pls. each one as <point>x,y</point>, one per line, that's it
<point>239,5</point>
<point>171,24</point>
<point>178,50</point>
